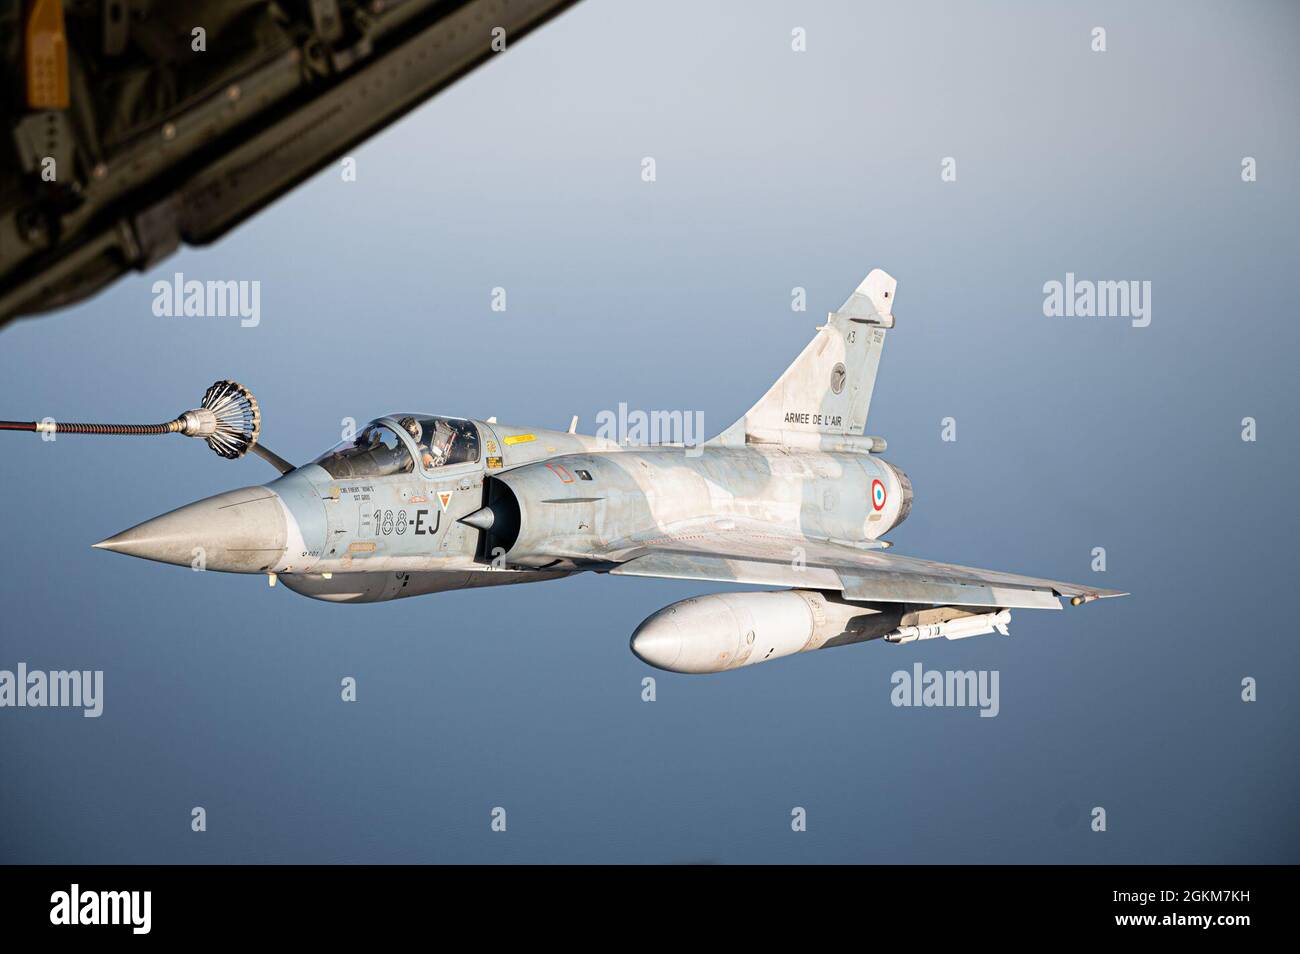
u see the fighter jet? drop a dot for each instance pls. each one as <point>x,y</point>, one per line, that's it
<point>794,495</point>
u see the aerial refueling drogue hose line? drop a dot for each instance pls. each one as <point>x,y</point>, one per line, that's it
<point>63,427</point>
<point>228,420</point>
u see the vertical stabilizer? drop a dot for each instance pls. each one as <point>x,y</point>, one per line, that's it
<point>827,390</point>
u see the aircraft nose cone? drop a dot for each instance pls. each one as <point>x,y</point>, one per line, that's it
<point>240,531</point>
<point>658,641</point>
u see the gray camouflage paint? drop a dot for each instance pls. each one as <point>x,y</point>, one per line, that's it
<point>793,494</point>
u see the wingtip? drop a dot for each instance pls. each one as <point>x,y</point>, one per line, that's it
<point>1092,595</point>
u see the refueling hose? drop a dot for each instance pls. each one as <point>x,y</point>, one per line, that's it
<point>228,420</point>
<point>61,427</point>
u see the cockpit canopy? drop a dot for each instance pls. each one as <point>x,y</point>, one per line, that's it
<point>376,452</point>
<point>441,440</point>
<point>379,450</point>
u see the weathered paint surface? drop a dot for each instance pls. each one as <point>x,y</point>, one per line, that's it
<point>794,494</point>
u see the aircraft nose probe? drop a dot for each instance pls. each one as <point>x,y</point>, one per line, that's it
<point>228,420</point>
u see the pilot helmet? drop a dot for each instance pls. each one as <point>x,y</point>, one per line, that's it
<point>412,427</point>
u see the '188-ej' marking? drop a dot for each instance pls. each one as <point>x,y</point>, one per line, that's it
<point>382,523</point>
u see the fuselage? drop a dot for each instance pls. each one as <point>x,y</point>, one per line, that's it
<point>381,516</point>
<point>579,494</point>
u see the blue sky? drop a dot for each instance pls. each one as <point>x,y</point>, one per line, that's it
<point>774,170</point>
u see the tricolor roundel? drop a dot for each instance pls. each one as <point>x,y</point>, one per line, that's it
<point>878,495</point>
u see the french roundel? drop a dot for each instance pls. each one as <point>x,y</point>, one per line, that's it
<point>878,495</point>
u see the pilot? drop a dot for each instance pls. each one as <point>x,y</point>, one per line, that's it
<point>412,427</point>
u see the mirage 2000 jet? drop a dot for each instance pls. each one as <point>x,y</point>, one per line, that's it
<point>793,495</point>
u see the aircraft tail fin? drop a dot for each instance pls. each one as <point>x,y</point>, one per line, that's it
<point>827,390</point>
